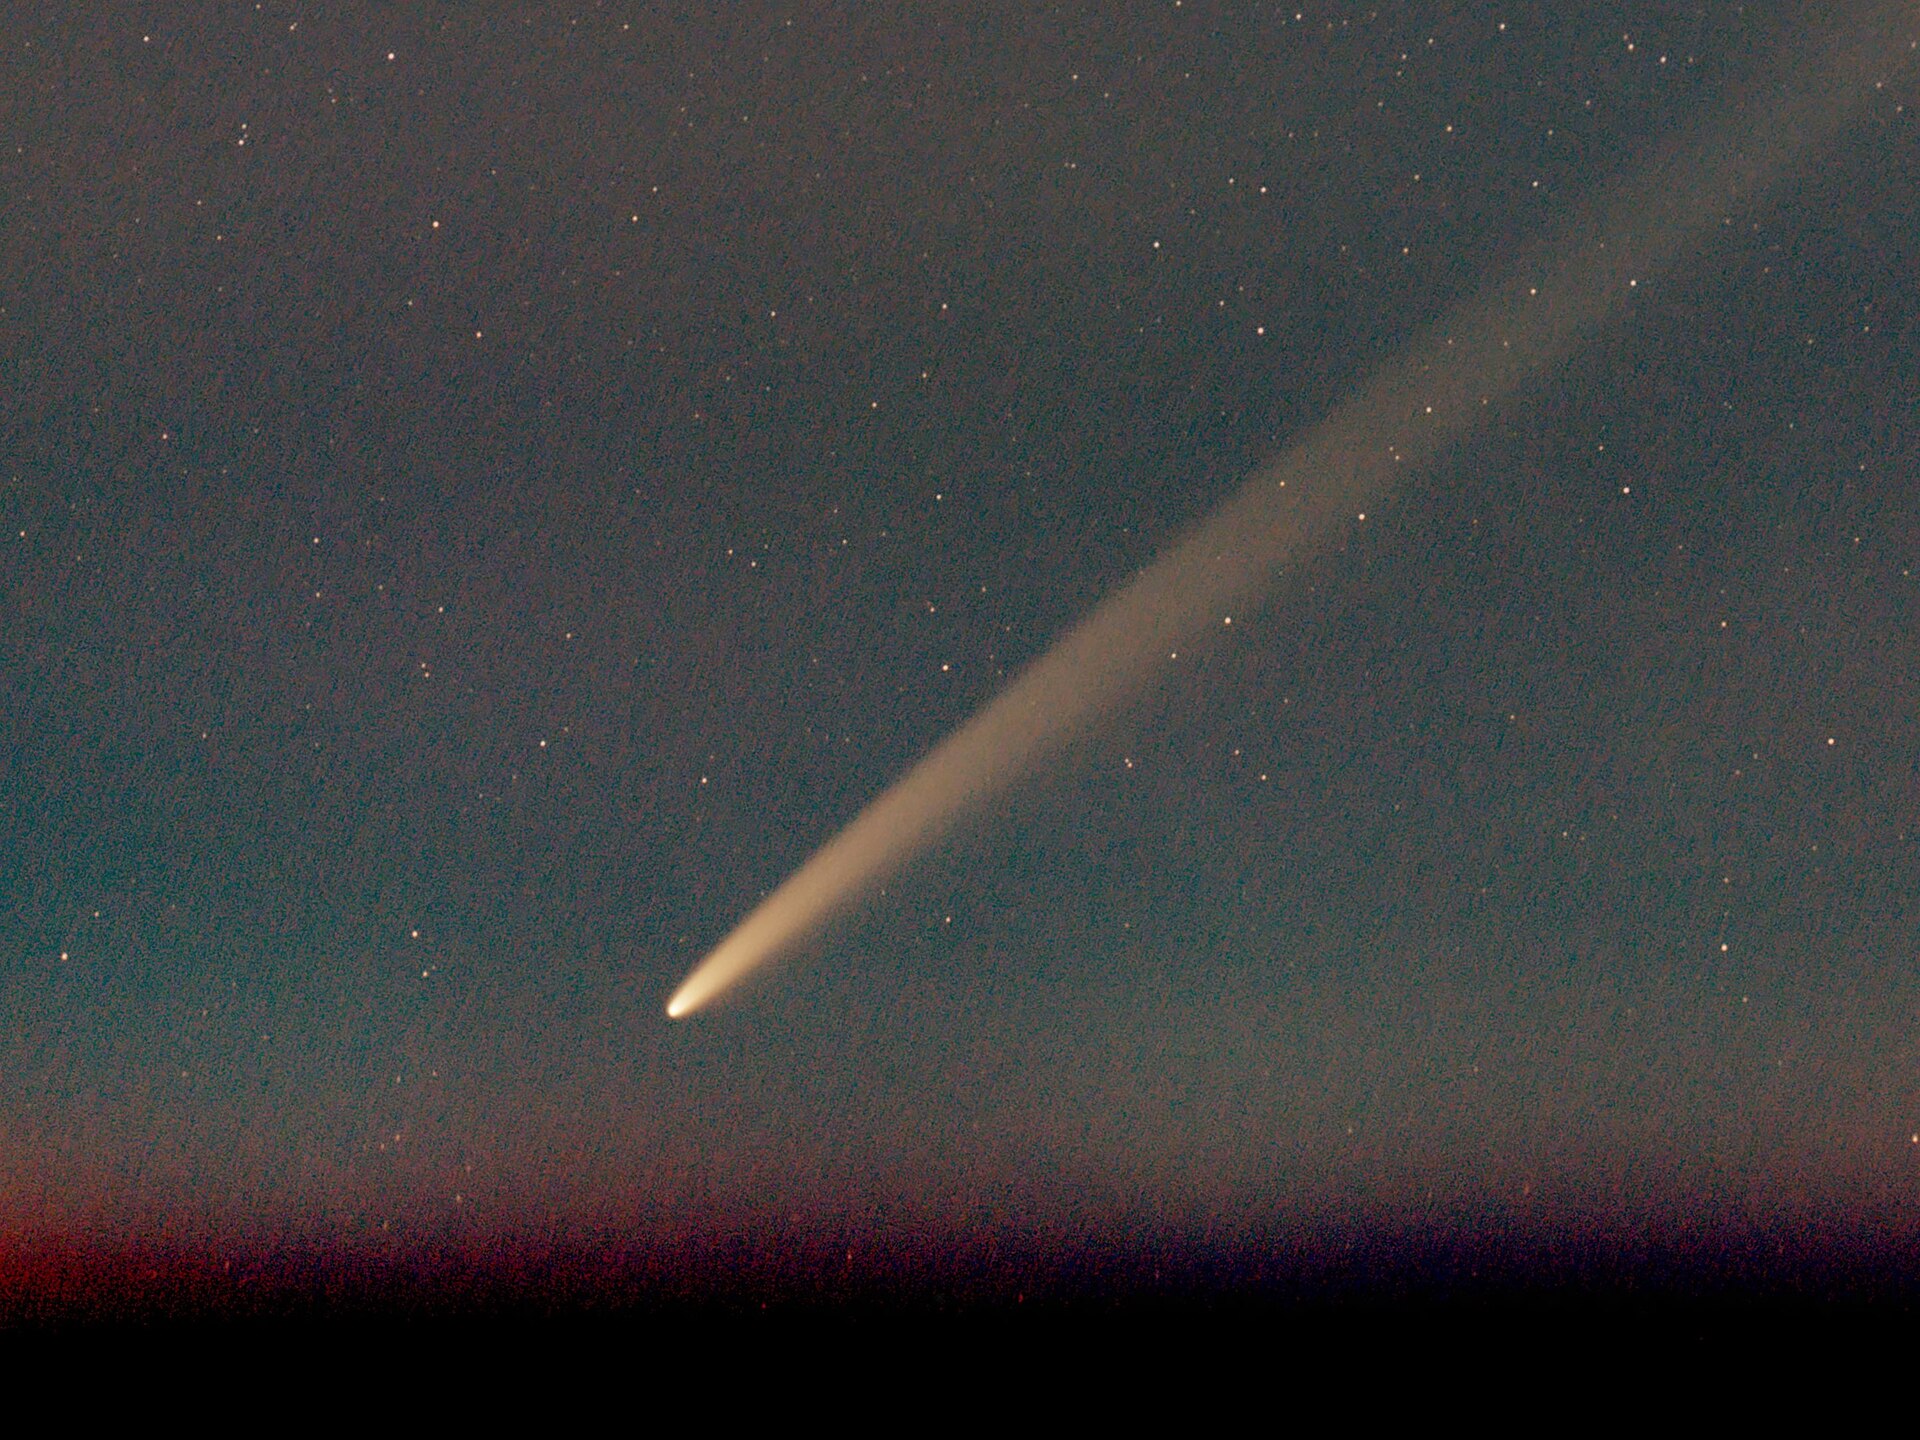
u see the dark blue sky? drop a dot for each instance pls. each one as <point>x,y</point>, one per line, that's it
<point>483,498</point>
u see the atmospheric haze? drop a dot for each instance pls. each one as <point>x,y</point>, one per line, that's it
<point>1571,281</point>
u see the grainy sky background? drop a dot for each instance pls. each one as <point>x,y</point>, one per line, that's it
<point>486,492</point>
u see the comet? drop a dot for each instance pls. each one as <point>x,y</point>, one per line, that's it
<point>1561,289</point>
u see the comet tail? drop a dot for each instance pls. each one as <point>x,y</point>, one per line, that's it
<point>1438,390</point>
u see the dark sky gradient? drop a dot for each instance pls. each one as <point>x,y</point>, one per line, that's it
<point>485,495</point>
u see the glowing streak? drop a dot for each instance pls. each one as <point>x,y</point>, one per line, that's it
<point>1436,392</point>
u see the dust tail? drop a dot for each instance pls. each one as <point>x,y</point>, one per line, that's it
<point>1441,388</point>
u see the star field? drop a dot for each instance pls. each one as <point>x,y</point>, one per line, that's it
<point>483,497</point>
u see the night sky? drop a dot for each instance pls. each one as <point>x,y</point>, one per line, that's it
<point>485,493</point>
